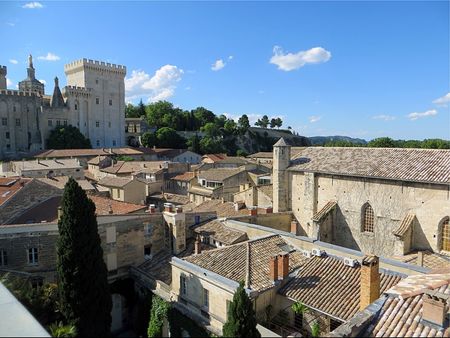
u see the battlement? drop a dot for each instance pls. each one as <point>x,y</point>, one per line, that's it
<point>96,65</point>
<point>18,93</point>
<point>76,90</point>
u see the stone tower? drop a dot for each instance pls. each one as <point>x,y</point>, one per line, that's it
<point>281,159</point>
<point>3,72</point>
<point>95,94</point>
<point>30,84</point>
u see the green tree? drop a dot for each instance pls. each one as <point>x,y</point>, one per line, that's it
<point>241,318</point>
<point>148,139</point>
<point>202,116</point>
<point>194,144</point>
<point>156,111</point>
<point>158,314</point>
<point>67,137</point>
<point>230,127</point>
<point>140,109</point>
<point>382,142</point>
<point>85,300</point>
<point>263,122</point>
<point>435,144</point>
<point>209,145</point>
<point>131,111</point>
<point>61,330</point>
<point>168,138</point>
<point>211,129</point>
<point>273,123</point>
<point>243,124</point>
<point>278,122</point>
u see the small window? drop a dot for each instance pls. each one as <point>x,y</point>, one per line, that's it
<point>97,100</point>
<point>206,298</point>
<point>368,218</point>
<point>7,135</point>
<point>98,143</point>
<point>96,81</point>
<point>148,250</point>
<point>14,109</point>
<point>183,285</point>
<point>50,123</point>
<point>58,123</point>
<point>37,283</point>
<point>118,193</point>
<point>3,257</point>
<point>97,124</point>
<point>114,143</point>
<point>148,229</point>
<point>76,106</point>
<point>8,146</point>
<point>65,122</point>
<point>109,124</point>
<point>4,121</point>
<point>33,257</point>
<point>17,122</point>
<point>298,320</point>
<point>110,102</point>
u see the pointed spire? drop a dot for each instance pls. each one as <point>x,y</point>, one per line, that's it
<point>30,61</point>
<point>57,98</point>
<point>56,81</point>
<point>281,143</point>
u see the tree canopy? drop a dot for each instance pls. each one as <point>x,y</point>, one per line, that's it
<point>241,318</point>
<point>85,300</point>
<point>67,137</point>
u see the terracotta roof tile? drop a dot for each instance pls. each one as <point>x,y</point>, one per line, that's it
<point>431,260</point>
<point>326,284</point>
<point>117,182</point>
<point>405,225</point>
<point>220,232</point>
<point>11,185</point>
<point>57,153</point>
<point>317,217</point>
<point>232,261</point>
<point>185,177</point>
<point>223,209</point>
<point>219,174</point>
<point>106,206</point>
<point>416,165</point>
<point>60,181</point>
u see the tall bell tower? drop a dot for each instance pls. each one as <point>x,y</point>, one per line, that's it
<point>281,160</point>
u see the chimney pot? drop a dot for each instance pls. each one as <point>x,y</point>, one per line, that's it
<point>434,307</point>
<point>283,265</point>
<point>370,281</point>
<point>252,211</point>
<point>273,268</point>
<point>197,245</point>
<point>269,210</point>
<point>151,209</point>
<point>294,227</point>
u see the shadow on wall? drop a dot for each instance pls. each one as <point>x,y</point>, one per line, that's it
<point>419,239</point>
<point>342,233</point>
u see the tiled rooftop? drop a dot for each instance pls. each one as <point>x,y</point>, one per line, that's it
<point>47,164</point>
<point>214,157</point>
<point>117,182</point>
<point>185,177</point>
<point>234,261</point>
<point>60,181</point>
<point>218,174</point>
<point>401,313</point>
<point>431,260</point>
<point>417,165</point>
<point>223,209</point>
<point>128,167</point>
<point>9,186</point>
<point>55,153</point>
<point>405,225</point>
<point>326,284</point>
<point>220,232</point>
<point>317,217</point>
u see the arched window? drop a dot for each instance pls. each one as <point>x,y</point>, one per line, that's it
<point>445,235</point>
<point>367,218</point>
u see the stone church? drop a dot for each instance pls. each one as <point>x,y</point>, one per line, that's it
<point>93,101</point>
<point>385,201</point>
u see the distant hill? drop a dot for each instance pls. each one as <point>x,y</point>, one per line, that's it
<point>321,140</point>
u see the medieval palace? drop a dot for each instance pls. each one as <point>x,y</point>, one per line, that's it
<point>93,101</point>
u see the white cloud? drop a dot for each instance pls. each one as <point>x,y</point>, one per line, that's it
<point>160,86</point>
<point>384,117</point>
<point>9,83</point>
<point>218,65</point>
<point>33,5</point>
<point>415,116</point>
<point>49,57</point>
<point>43,81</point>
<point>11,24</point>
<point>13,61</point>
<point>443,101</point>
<point>230,57</point>
<point>290,61</point>
<point>314,118</point>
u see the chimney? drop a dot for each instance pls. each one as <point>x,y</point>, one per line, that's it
<point>419,260</point>
<point>370,281</point>
<point>151,209</point>
<point>283,265</point>
<point>434,307</point>
<point>197,245</point>
<point>294,227</point>
<point>253,211</point>
<point>179,209</point>
<point>273,268</point>
<point>269,210</point>
<point>110,210</point>
<point>168,207</point>
<point>59,213</point>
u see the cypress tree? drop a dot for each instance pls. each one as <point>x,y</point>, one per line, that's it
<point>82,275</point>
<point>241,318</point>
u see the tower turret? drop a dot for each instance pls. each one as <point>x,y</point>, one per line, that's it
<point>30,83</point>
<point>57,98</point>
<point>281,160</point>
<point>3,72</point>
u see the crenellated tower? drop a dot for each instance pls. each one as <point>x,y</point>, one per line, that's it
<point>3,72</point>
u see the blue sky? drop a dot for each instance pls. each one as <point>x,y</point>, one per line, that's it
<point>363,69</point>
